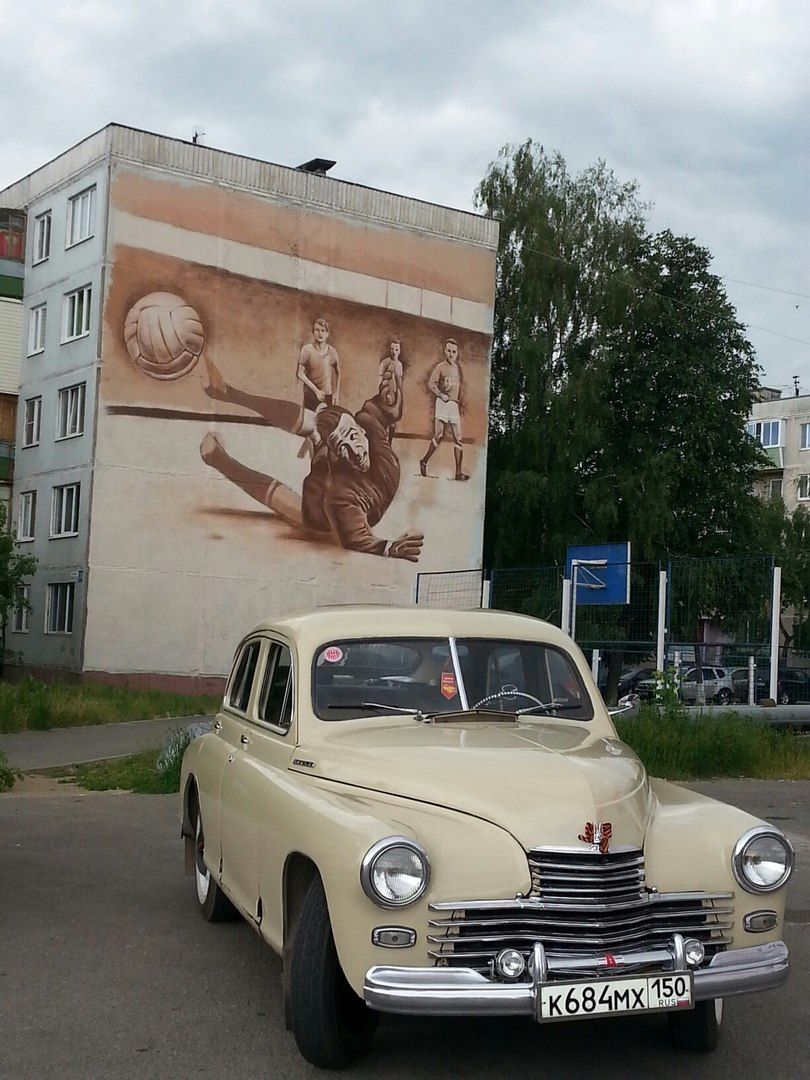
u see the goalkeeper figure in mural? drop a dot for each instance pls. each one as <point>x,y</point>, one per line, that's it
<point>354,474</point>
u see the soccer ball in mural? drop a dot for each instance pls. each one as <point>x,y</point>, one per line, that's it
<point>164,335</point>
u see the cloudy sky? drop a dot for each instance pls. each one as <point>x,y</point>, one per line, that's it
<point>705,102</point>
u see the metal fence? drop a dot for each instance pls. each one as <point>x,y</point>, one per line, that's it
<point>687,613</point>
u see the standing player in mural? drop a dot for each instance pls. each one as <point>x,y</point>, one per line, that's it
<point>445,386</point>
<point>319,369</point>
<point>354,474</point>
<point>392,364</point>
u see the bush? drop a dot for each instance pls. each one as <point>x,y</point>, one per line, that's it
<point>153,772</point>
<point>7,775</point>
<point>676,746</point>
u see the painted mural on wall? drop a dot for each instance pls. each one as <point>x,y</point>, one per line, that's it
<point>353,450</point>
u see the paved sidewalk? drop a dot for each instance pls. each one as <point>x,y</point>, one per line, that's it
<point>69,746</point>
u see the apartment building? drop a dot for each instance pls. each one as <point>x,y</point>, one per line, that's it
<point>12,254</point>
<point>782,426</point>
<point>232,380</point>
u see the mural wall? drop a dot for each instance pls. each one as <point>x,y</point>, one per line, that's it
<point>292,412</point>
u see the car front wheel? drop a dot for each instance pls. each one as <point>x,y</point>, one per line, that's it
<point>723,697</point>
<point>698,1029</point>
<point>331,1024</point>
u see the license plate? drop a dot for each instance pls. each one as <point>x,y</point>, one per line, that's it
<point>600,997</point>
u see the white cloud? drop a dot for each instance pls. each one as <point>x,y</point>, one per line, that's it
<point>704,101</point>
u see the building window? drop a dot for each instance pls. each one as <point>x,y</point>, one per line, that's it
<point>775,489</point>
<point>59,608</point>
<point>81,209</point>
<point>804,437</point>
<point>22,609</point>
<point>70,415</point>
<point>65,510</point>
<point>33,416</point>
<point>36,329</point>
<point>42,237</point>
<point>766,431</point>
<point>27,518</point>
<point>76,319</point>
<point>804,488</point>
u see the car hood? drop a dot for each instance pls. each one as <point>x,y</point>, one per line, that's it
<point>543,783</point>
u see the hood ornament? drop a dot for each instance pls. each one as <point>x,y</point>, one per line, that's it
<point>597,835</point>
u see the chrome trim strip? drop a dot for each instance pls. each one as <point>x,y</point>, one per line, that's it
<point>462,690</point>
<point>466,992</point>
<point>538,904</point>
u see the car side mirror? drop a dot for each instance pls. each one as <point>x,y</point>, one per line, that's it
<point>626,706</point>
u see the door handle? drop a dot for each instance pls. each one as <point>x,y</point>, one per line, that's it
<point>244,739</point>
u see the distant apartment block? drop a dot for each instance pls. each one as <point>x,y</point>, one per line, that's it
<point>782,426</point>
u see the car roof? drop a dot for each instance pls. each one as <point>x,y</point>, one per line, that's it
<point>314,627</point>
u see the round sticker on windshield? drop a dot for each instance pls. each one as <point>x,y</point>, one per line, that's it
<point>333,655</point>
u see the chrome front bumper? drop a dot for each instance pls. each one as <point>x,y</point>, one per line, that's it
<point>442,991</point>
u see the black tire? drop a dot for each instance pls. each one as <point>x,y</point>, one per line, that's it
<point>331,1024</point>
<point>783,697</point>
<point>699,1029</point>
<point>724,696</point>
<point>214,905</point>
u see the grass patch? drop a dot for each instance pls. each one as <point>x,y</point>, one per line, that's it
<point>7,774</point>
<point>676,746</point>
<point>152,772</point>
<point>32,706</point>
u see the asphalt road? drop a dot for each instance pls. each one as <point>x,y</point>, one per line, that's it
<point>107,971</point>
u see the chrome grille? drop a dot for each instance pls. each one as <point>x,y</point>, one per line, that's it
<point>581,904</point>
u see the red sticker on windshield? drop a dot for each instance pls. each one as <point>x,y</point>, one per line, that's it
<point>333,655</point>
<point>448,685</point>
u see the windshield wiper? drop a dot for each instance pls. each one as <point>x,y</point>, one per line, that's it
<point>549,707</point>
<point>378,705</point>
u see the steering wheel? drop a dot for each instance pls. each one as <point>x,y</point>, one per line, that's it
<point>507,694</point>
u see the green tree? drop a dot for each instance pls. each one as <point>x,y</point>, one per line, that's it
<point>15,570</point>
<point>621,378</point>
<point>787,537</point>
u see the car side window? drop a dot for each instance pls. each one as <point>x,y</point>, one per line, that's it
<point>275,703</point>
<point>242,682</point>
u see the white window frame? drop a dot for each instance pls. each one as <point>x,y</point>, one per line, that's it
<point>70,411</point>
<point>80,216</point>
<point>20,613</point>
<point>41,249</point>
<point>37,322</point>
<point>32,422</point>
<point>65,510</point>
<point>755,429</point>
<point>52,606</point>
<point>76,313</point>
<point>775,488</point>
<point>804,436</point>
<point>26,516</point>
<point>803,488</point>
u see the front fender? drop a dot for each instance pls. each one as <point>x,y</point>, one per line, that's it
<point>469,857</point>
<point>689,846</point>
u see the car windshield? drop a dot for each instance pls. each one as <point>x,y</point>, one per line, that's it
<point>445,675</point>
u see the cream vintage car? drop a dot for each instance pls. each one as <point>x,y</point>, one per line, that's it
<point>429,812</point>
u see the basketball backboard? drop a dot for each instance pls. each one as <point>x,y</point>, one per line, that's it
<point>602,573</point>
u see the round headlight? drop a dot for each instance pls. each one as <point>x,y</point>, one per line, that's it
<point>762,860</point>
<point>395,872</point>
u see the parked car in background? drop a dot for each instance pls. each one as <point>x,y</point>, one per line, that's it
<point>430,812</point>
<point>739,678</point>
<point>718,686</point>
<point>792,687</point>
